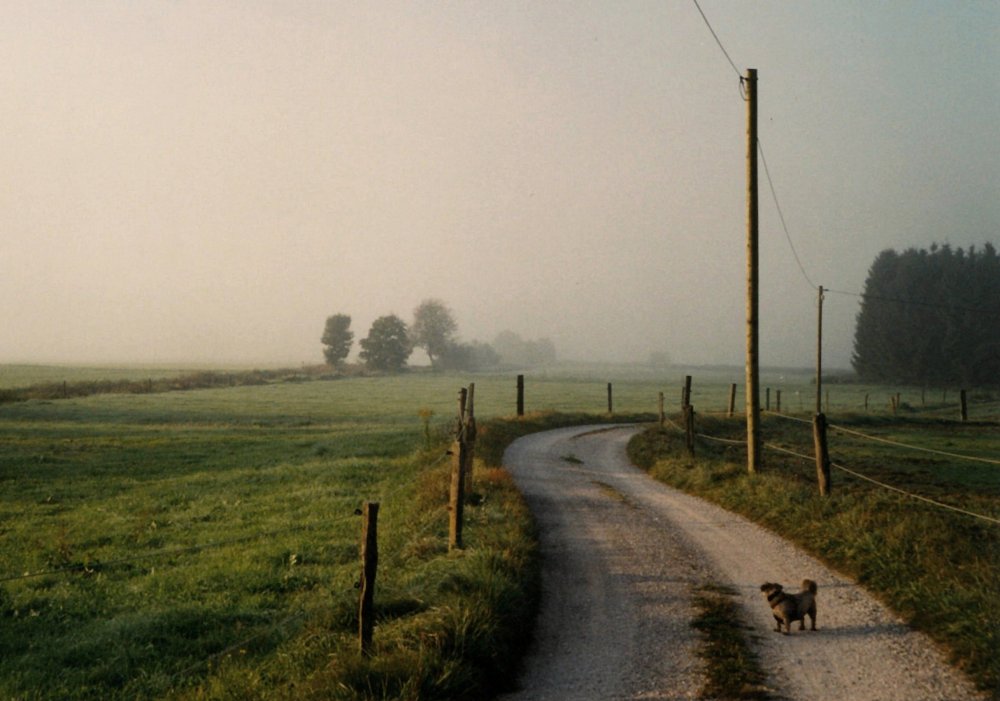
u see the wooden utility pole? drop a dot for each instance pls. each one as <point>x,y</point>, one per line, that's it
<point>753,279</point>
<point>819,351</point>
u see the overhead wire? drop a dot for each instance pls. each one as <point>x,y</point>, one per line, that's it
<point>781,216</point>
<point>718,41</point>
<point>914,302</point>
<point>763,158</point>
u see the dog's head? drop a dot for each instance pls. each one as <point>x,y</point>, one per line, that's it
<point>770,588</point>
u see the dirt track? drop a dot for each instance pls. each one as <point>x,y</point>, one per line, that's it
<point>622,554</point>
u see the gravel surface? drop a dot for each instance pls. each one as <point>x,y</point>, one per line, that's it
<point>622,555</point>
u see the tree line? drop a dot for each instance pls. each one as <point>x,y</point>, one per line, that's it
<point>931,317</point>
<point>390,342</point>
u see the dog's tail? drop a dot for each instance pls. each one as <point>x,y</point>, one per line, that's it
<point>808,584</point>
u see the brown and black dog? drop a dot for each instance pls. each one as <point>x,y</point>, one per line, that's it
<point>791,607</point>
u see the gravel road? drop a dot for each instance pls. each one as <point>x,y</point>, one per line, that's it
<point>622,555</point>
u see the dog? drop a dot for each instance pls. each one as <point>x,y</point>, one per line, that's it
<point>791,607</point>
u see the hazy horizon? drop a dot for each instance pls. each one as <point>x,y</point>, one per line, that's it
<point>204,183</point>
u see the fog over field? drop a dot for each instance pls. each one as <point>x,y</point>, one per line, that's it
<point>207,182</point>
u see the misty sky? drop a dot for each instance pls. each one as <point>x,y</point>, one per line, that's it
<point>191,181</point>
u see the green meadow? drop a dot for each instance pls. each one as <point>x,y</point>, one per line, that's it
<point>203,544</point>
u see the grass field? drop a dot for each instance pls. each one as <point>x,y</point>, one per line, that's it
<point>202,544</point>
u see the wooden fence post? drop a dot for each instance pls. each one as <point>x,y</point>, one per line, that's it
<point>866,402</point>
<point>520,395</point>
<point>611,408</point>
<point>689,428</point>
<point>965,406</point>
<point>686,394</point>
<point>456,497</point>
<point>777,400</point>
<point>732,399</point>
<point>767,399</point>
<point>369,565</point>
<point>663,416</point>
<point>822,454</point>
<point>470,439</point>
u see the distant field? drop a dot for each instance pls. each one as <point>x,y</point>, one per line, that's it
<point>25,375</point>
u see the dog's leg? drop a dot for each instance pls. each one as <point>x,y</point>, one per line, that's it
<point>812,616</point>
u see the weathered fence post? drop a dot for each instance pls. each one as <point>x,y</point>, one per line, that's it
<point>767,399</point>
<point>520,395</point>
<point>732,399</point>
<point>777,400</point>
<point>663,416</point>
<point>689,428</point>
<point>965,406</point>
<point>822,454</point>
<point>611,408</point>
<point>470,438</point>
<point>686,393</point>
<point>369,565</point>
<point>828,401</point>
<point>866,402</point>
<point>456,497</point>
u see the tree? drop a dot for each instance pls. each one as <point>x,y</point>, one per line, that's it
<point>929,317</point>
<point>433,329</point>
<point>338,338</point>
<point>469,356</point>
<point>387,345</point>
<point>514,351</point>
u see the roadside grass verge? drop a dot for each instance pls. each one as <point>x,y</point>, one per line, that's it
<point>733,671</point>
<point>936,568</point>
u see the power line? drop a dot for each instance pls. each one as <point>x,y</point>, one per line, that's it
<point>718,41</point>
<point>913,302</point>
<point>781,216</point>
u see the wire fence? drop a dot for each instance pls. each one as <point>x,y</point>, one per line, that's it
<point>854,472</point>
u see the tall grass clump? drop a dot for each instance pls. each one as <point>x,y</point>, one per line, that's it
<point>936,568</point>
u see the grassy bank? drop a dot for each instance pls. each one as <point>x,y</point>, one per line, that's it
<point>937,568</point>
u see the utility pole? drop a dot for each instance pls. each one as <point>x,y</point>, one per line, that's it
<point>819,353</point>
<point>753,278</point>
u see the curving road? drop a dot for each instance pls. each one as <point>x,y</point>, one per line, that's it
<point>622,555</point>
